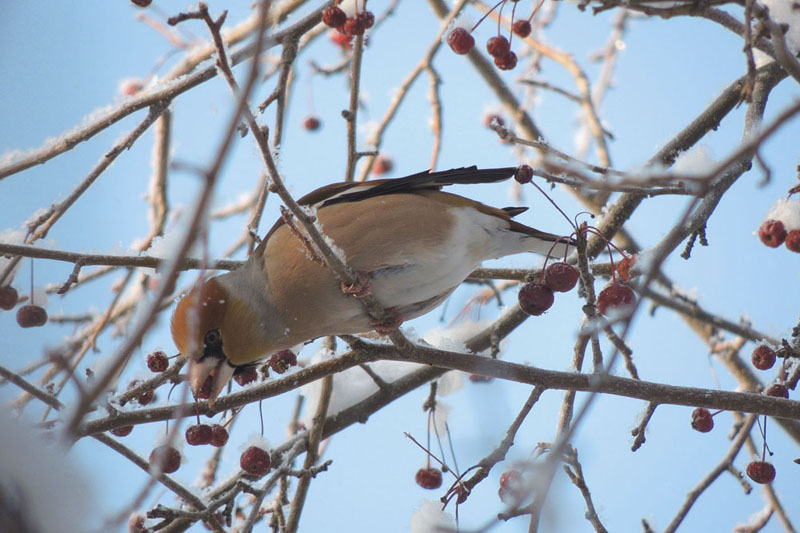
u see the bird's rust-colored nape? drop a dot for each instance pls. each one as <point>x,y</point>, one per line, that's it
<point>202,309</point>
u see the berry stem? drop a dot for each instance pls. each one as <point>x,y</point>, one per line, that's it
<point>554,204</point>
<point>511,31</point>
<point>501,2</point>
<point>500,16</point>
<point>533,13</point>
<point>32,281</point>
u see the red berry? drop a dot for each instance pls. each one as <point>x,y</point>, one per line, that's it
<point>522,28</point>
<point>613,297</point>
<point>245,375</point>
<point>31,316</point>
<point>8,297</point>
<point>333,16</point>
<point>354,26</point>
<point>561,277</point>
<point>535,298</point>
<point>702,420</point>
<point>281,361</point>
<point>624,266</point>
<point>367,19</point>
<point>793,240</point>
<point>122,431</point>
<point>157,362</point>
<point>341,40</point>
<point>255,461</point>
<point>506,62</point>
<point>460,41</point>
<point>165,458</point>
<point>778,390</point>
<point>761,472</point>
<point>498,46</point>
<point>144,398</point>
<point>312,123</point>
<point>429,478</point>
<point>511,487</point>
<point>772,233</point>
<point>199,434</point>
<point>219,435</point>
<point>763,357</point>
<point>382,165</point>
<point>523,174</point>
<point>205,390</point>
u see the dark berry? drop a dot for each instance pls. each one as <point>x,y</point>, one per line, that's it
<point>382,165</point>
<point>141,3</point>
<point>312,123</point>
<point>523,174</point>
<point>219,435</point>
<point>165,458</point>
<point>613,297</point>
<point>255,461</point>
<point>778,390</point>
<point>205,390</point>
<point>763,357</point>
<point>522,28</point>
<point>506,62</point>
<point>535,298</point>
<point>31,316</point>
<point>157,362</point>
<point>8,297</point>
<point>199,434</point>
<point>429,478</point>
<point>761,472</point>
<point>460,41</point>
<point>772,233</point>
<point>354,26</point>
<point>333,16</point>
<point>122,431</point>
<point>281,361</point>
<point>367,19</point>
<point>702,420</point>
<point>144,398</point>
<point>624,266</point>
<point>561,277</point>
<point>498,46</point>
<point>246,375</point>
<point>793,240</point>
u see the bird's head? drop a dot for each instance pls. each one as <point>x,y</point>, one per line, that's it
<point>206,328</point>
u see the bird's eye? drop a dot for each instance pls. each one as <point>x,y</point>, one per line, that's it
<point>213,338</point>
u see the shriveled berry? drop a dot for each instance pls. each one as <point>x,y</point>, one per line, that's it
<point>199,434</point>
<point>498,46</point>
<point>122,431</point>
<point>281,361</point>
<point>778,390</point>
<point>31,316</point>
<point>763,357</point>
<point>429,478</point>
<point>333,16</point>
<point>245,375</point>
<point>144,398</point>
<point>354,26</point>
<point>624,266</point>
<point>460,41</point>
<point>165,458</point>
<point>761,472</point>
<point>702,420</point>
<point>523,174</point>
<point>157,361</point>
<point>367,19</point>
<point>382,165</point>
<point>522,28</point>
<point>255,461</point>
<point>219,435</point>
<point>535,298</point>
<point>561,277</point>
<point>793,240</point>
<point>141,3</point>
<point>772,233</point>
<point>613,297</point>
<point>312,123</point>
<point>8,297</point>
<point>506,62</point>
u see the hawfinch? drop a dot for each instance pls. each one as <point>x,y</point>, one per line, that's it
<point>412,243</point>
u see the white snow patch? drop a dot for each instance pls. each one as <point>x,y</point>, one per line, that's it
<point>430,518</point>
<point>787,210</point>
<point>695,162</point>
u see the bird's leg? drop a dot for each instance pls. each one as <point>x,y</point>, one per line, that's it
<point>393,320</point>
<point>360,288</point>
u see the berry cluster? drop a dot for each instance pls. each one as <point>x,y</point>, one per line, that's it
<point>28,316</point>
<point>356,24</point>
<point>462,42</point>
<point>782,226</point>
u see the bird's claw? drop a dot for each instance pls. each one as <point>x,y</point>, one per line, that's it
<point>360,288</point>
<point>393,320</point>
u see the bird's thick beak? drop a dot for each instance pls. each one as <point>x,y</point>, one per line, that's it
<point>199,371</point>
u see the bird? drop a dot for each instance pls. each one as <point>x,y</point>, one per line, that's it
<point>410,242</point>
